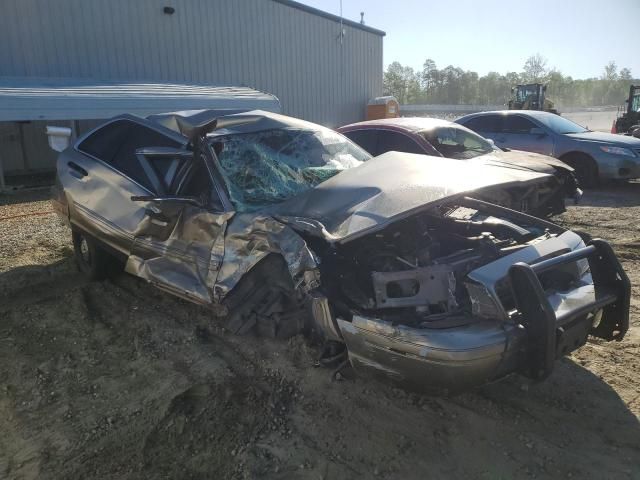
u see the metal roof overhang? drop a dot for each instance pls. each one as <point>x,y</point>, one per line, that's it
<point>79,99</point>
<point>330,16</point>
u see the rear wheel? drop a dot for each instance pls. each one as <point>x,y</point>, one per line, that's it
<point>265,302</point>
<point>91,259</point>
<point>586,169</point>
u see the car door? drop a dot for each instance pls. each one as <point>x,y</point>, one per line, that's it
<point>101,174</point>
<point>489,126</point>
<point>179,242</point>
<point>521,133</point>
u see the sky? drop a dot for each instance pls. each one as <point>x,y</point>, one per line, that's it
<point>577,37</point>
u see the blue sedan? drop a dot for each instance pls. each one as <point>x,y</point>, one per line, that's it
<point>594,155</point>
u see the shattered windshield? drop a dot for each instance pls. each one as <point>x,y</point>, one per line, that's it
<point>267,167</point>
<point>458,143</point>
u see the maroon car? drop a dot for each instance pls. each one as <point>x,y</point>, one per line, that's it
<point>441,138</point>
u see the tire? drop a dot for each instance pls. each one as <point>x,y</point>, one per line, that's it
<point>586,169</point>
<point>91,260</point>
<point>265,302</point>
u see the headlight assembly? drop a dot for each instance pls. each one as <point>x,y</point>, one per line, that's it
<point>626,152</point>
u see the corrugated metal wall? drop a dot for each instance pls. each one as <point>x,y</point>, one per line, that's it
<point>298,56</point>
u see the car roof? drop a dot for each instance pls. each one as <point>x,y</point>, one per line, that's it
<point>527,113</point>
<point>267,121</point>
<point>412,124</point>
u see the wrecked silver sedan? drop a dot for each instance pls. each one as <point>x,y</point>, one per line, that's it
<point>281,226</point>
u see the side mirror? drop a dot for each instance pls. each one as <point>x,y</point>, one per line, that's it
<point>538,131</point>
<point>168,199</point>
<point>491,142</point>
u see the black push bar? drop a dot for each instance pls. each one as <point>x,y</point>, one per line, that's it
<point>612,296</point>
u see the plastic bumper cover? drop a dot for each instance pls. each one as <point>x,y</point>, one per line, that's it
<point>545,326</point>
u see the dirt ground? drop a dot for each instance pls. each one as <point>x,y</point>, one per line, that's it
<point>115,379</point>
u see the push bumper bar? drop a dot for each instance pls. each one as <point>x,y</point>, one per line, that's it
<point>551,332</point>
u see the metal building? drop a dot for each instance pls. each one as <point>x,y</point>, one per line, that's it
<point>322,68</point>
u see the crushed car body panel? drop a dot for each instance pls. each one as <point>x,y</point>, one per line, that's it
<point>180,248</point>
<point>472,350</point>
<point>251,238</point>
<point>429,359</point>
<point>528,160</point>
<point>440,138</point>
<point>390,187</point>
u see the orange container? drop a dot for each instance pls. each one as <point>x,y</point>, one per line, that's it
<point>383,107</point>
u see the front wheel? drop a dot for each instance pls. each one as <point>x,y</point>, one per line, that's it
<point>91,260</point>
<point>586,169</point>
<point>265,302</point>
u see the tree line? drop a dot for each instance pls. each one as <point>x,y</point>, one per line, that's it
<point>453,85</point>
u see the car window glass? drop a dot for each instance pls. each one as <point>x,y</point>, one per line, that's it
<point>166,169</point>
<point>457,142</point>
<point>367,139</point>
<point>267,167</point>
<point>197,183</point>
<point>518,124</point>
<point>104,142</point>
<point>485,123</point>
<point>116,144</point>
<point>635,103</point>
<point>399,142</point>
<point>560,124</point>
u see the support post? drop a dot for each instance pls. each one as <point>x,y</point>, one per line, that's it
<point>2,184</point>
<point>75,129</point>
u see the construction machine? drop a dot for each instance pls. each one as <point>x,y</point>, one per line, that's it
<point>531,96</point>
<point>628,118</point>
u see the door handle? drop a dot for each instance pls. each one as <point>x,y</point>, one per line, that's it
<point>76,170</point>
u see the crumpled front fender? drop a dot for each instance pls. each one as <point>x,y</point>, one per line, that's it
<point>251,238</point>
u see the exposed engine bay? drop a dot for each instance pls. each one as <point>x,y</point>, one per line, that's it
<point>413,271</point>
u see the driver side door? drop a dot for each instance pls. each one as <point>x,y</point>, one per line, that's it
<point>520,133</point>
<point>179,243</point>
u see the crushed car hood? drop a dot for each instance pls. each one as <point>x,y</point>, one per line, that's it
<point>523,160</point>
<point>388,188</point>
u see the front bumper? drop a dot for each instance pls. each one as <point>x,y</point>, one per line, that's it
<point>544,327</point>
<point>618,167</point>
